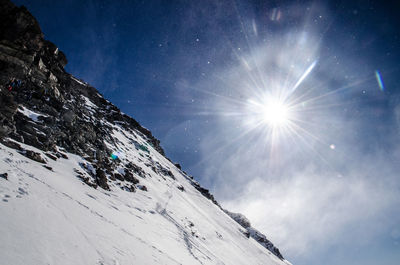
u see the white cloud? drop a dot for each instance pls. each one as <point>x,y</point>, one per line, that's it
<point>308,211</point>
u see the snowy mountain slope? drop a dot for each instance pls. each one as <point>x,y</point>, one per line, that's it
<point>83,183</point>
<point>51,217</point>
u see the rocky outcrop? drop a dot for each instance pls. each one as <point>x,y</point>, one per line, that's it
<point>262,239</point>
<point>4,176</point>
<point>206,193</point>
<point>254,233</point>
<point>239,218</point>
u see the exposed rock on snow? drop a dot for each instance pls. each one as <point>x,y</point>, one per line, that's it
<point>252,232</point>
<point>4,176</point>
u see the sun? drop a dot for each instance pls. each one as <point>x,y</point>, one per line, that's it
<point>275,113</point>
<point>270,111</point>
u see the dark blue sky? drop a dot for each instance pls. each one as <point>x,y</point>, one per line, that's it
<point>187,70</point>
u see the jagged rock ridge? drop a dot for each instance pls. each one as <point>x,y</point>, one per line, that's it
<point>43,106</point>
<point>254,233</point>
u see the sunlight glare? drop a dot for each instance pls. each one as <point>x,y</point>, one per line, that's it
<point>275,113</point>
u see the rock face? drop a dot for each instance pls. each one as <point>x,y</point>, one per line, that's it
<point>43,106</point>
<point>47,107</point>
<point>251,232</point>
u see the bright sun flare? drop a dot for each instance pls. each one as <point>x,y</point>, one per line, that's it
<point>275,113</point>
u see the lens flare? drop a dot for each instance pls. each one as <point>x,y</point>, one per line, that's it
<point>379,80</point>
<point>305,74</point>
<point>116,155</point>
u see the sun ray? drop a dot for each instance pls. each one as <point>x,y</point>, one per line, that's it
<point>311,148</point>
<point>335,91</point>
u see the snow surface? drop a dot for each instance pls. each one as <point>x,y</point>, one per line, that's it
<point>90,106</point>
<point>79,81</point>
<point>30,114</point>
<point>52,217</point>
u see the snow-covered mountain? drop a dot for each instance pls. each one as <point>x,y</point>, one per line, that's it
<point>83,183</point>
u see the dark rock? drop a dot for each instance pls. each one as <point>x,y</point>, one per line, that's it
<point>205,192</point>
<point>130,165</point>
<point>111,176</point>
<point>30,139</point>
<point>255,234</point>
<point>101,179</point>
<point>136,169</point>
<point>142,187</point>
<point>69,117</point>
<point>47,167</point>
<point>51,156</point>
<point>11,144</point>
<point>119,177</point>
<point>181,188</point>
<point>4,176</point>
<point>262,239</point>
<point>130,188</point>
<point>178,166</point>
<point>239,218</point>
<point>167,172</point>
<point>62,155</point>
<point>129,177</point>
<point>33,155</point>
<point>159,169</point>
<point>86,180</point>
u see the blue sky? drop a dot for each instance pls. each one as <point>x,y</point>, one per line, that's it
<point>324,187</point>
